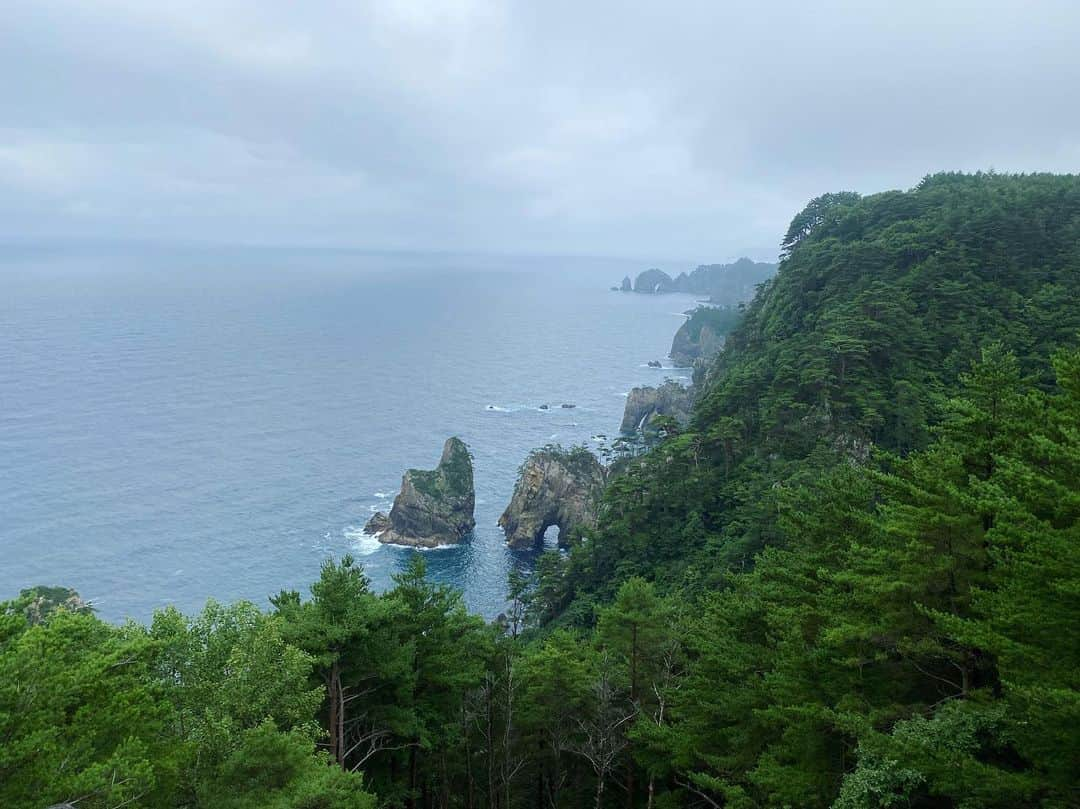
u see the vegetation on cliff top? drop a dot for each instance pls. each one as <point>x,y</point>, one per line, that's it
<point>453,477</point>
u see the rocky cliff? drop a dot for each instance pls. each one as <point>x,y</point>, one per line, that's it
<point>556,486</point>
<point>643,405</point>
<point>722,283</point>
<point>700,338</point>
<point>434,507</point>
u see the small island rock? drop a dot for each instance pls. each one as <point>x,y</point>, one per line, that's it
<point>434,507</point>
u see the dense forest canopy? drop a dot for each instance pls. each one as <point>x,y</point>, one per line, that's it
<point>853,580</point>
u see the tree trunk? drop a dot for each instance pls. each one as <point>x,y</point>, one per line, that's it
<point>410,802</point>
<point>334,722</point>
<point>633,702</point>
<point>493,795</point>
<point>469,789</point>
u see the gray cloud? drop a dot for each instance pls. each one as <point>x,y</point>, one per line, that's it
<point>688,130</point>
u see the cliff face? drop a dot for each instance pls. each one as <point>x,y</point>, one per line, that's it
<point>434,507</point>
<point>645,404</point>
<point>687,351</point>
<point>556,487</point>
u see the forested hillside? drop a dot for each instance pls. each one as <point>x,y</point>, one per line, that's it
<point>852,581</point>
<point>878,308</point>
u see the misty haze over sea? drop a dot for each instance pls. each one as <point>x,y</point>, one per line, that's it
<point>178,425</point>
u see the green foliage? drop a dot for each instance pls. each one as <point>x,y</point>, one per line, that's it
<point>852,581</point>
<point>81,714</point>
<point>880,305</point>
<point>719,319</point>
<point>452,478</point>
<point>281,771</point>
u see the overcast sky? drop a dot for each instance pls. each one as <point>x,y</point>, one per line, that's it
<point>681,130</point>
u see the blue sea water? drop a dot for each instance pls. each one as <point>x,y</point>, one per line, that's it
<point>183,424</point>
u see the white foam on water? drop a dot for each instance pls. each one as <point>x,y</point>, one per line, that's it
<point>373,509</point>
<point>363,543</point>
<point>381,495</point>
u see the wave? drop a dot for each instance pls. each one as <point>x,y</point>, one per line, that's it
<point>363,543</point>
<point>366,544</point>
<point>381,495</point>
<point>516,408</point>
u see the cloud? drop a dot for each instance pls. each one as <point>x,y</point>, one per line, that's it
<point>690,130</point>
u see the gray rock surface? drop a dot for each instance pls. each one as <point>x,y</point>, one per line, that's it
<point>646,403</point>
<point>434,507</point>
<point>686,351</point>
<point>556,486</point>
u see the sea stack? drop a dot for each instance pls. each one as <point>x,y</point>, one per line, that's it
<point>556,486</point>
<point>434,506</point>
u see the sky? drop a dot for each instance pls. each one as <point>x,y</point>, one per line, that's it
<point>683,130</point>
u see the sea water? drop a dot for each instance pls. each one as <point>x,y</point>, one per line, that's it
<point>181,424</point>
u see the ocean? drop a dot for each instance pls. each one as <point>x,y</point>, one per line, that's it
<point>185,424</point>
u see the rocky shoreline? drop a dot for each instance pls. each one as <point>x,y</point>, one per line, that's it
<point>555,486</point>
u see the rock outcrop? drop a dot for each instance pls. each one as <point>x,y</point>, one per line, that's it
<point>702,336</point>
<point>40,602</point>
<point>653,281</point>
<point>434,507</point>
<point>723,283</point>
<point>644,404</point>
<point>686,350</point>
<point>626,285</point>
<point>556,486</point>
